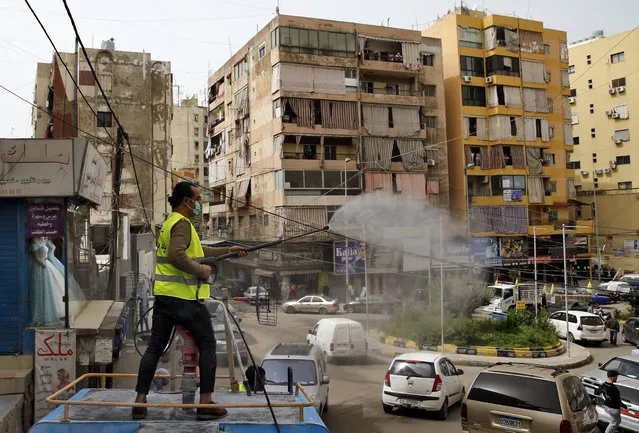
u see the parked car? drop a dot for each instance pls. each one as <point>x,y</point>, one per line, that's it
<point>632,280</point>
<point>252,292</point>
<point>618,290</point>
<point>236,287</point>
<point>216,308</point>
<point>424,381</point>
<point>582,326</point>
<point>311,304</point>
<point>519,397</point>
<point>630,331</point>
<point>628,384</point>
<point>308,367</point>
<point>376,304</point>
<point>220,347</point>
<point>339,339</point>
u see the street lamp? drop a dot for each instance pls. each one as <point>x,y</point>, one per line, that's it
<point>468,203</point>
<point>348,292</point>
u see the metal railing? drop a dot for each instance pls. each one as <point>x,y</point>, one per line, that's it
<point>392,91</point>
<point>52,399</point>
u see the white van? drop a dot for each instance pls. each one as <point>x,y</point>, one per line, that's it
<point>339,339</point>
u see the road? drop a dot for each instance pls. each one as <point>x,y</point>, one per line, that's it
<point>355,390</point>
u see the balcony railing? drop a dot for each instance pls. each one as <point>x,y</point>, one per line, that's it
<point>391,91</point>
<point>383,57</point>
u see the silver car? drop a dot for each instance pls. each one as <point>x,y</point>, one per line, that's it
<point>311,304</point>
<point>628,384</point>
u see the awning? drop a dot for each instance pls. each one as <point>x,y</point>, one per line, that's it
<point>302,272</point>
<point>377,38</point>
<point>241,188</point>
<point>263,272</point>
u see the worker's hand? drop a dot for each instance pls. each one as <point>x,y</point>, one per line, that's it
<point>242,251</point>
<point>205,272</point>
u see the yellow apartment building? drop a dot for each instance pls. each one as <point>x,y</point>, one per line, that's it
<point>311,113</point>
<point>601,79</point>
<point>509,132</point>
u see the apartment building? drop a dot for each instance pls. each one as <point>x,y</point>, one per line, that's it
<point>310,110</point>
<point>601,94</point>
<point>509,132</point>
<point>140,91</point>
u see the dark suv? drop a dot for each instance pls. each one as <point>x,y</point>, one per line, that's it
<point>376,304</point>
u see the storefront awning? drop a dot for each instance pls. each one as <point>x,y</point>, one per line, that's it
<point>263,273</point>
<point>302,272</point>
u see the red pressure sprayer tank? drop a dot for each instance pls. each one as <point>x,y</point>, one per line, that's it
<point>190,361</point>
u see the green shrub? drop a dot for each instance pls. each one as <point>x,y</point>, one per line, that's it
<point>520,328</point>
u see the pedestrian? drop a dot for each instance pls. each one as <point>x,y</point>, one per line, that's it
<point>590,309</point>
<point>544,301</point>
<point>326,290</point>
<point>612,400</point>
<point>613,325</point>
<point>179,297</point>
<point>292,292</point>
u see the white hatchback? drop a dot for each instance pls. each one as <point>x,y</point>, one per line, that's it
<point>425,381</point>
<point>582,326</point>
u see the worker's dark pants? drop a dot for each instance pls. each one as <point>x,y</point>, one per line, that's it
<point>194,316</point>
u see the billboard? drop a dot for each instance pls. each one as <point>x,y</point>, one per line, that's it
<point>351,257</point>
<point>486,250</point>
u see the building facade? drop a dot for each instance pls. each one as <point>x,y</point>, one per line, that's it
<point>509,134</point>
<point>140,91</point>
<point>601,94</point>
<point>309,111</point>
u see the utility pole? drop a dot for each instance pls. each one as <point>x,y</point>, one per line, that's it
<point>563,235</point>
<point>115,209</point>
<point>441,279</point>
<point>535,261</point>
<point>596,212</point>
<point>76,106</point>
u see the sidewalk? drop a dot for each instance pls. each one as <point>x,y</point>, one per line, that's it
<point>578,356</point>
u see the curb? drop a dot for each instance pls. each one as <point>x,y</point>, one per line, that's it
<point>506,352</point>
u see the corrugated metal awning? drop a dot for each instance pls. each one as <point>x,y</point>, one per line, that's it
<point>302,272</point>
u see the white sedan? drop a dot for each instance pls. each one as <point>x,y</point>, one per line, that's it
<point>311,304</point>
<point>582,326</point>
<point>426,381</point>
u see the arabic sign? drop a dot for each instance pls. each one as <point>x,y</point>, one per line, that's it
<point>486,250</point>
<point>94,172</point>
<point>54,367</point>
<point>44,220</point>
<point>352,257</point>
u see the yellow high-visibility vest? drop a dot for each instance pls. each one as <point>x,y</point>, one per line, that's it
<point>169,280</point>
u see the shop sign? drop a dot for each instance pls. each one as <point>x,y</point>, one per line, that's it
<point>54,367</point>
<point>45,220</point>
<point>351,257</point>
<point>541,260</point>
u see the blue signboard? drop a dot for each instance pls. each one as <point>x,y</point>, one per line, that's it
<point>353,257</point>
<point>486,250</point>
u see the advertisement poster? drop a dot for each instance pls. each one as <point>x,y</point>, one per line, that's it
<point>513,248</point>
<point>353,257</point>
<point>54,366</point>
<point>486,250</point>
<point>44,220</point>
<point>631,247</point>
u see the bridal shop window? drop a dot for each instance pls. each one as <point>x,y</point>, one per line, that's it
<point>48,265</point>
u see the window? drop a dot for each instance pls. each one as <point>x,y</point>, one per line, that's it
<point>516,391</point>
<point>330,153</point>
<point>429,90</point>
<point>618,82</point>
<point>413,369</point>
<point>549,158</point>
<point>551,187</point>
<point>428,59</point>
<point>196,118</point>
<point>500,183</point>
<point>624,185</point>
<point>473,66</point>
<point>196,144</point>
<point>303,370</point>
<point>590,84</point>
<point>350,73</point>
<point>240,68</point>
<point>431,122</point>
<point>571,69</point>
<point>575,140</point>
<point>474,96</point>
<point>622,134</point>
<point>472,126</point>
<point>265,220</point>
<point>469,37</point>
<point>617,57</point>
<point>592,132</point>
<point>252,221</point>
<point>573,165</point>
<point>625,159</point>
<point>513,126</point>
<point>196,131</point>
<point>553,215</point>
<point>261,52</point>
<point>319,42</point>
<point>275,38</point>
<point>551,107</point>
<point>501,65</point>
<point>104,119</point>
<point>588,59</point>
<point>573,92</point>
<point>547,49</point>
<point>592,108</point>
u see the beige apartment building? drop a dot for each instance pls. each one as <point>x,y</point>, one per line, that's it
<point>140,91</point>
<point>305,107</point>
<point>509,139</point>
<point>601,95</point>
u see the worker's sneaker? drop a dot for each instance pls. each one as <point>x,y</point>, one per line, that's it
<point>211,413</point>
<point>138,412</point>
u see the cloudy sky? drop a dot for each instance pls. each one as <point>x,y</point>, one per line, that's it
<point>195,34</point>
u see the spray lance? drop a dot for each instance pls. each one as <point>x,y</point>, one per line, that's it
<point>190,355</point>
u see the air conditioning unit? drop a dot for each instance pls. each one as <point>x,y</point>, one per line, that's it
<point>612,91</point>
<point>621,89</point>
<point>615,115</point>
<point>468,78</point>
<point>484,180</point>
<point>618,141</point>
<point>431,162</point>
<point>572,100</point>
<point>599,172</point>
<point>584,173</point>
<point>489,80</point>
<point>606,170</point>
<point>613,165</point>
<point>609,113</point>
